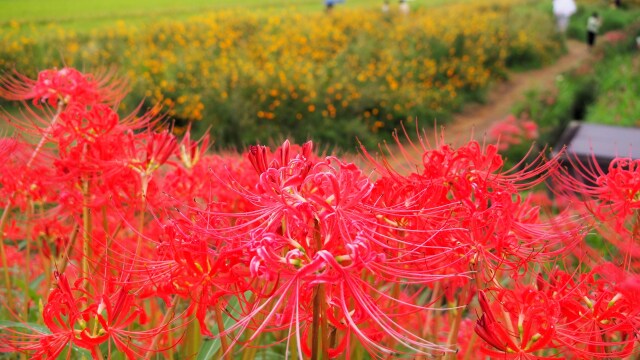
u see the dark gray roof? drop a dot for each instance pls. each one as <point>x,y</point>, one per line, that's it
<point>606,142</point>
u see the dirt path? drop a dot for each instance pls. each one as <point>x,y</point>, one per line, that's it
<point>476,119</point>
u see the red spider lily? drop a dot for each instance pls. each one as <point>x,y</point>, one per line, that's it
<point>190,152</point>
<point>78,122</point>
<point>512,131</point>
<point>496,229</point>
<point>258,156</point>
<point>316,225</point>
<point>597,318</point>
<point>146,152</point>
<point>620,187</point>
<point>198,187</point>
<point>73,317</point>
<point>309,249</point>
<point>469,169</point>
<point>612,198</point>
<point>22,180</point>
<point>66,85</point>
<point>518,325</point>
<point>617,189</point>
<point>195,268</point>
<point>626,283</point>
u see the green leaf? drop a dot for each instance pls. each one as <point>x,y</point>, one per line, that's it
<point>211,346</point>
<point>35,284</point>
<point>5,324</point>
<point>208,349</point>
<point>270,354</point>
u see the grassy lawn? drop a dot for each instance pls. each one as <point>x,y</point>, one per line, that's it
<point>70,10</point>
<point>91,14</point>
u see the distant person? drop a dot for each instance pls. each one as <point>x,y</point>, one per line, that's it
<point>404,7</point>
<point>329,4</point>
<point>563,9</point>
<point>385,7</point>
<point>593,25</point>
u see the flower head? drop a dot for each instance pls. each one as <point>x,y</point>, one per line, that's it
<point>65,86</point>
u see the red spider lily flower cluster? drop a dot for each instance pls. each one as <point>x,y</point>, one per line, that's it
<point>512,131</point>
<point>69,312</point>
<point>118,239</point>
<point>593,316</point>
<point>63,86</point>
<point>611,199</point>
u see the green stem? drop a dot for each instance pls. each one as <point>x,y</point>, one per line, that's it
<point>110,238</point>
<point>469,351</point>
<point>435,296</point>
<point>315,325</point>
<point>99,353</point>
<point>41,245</point>
<point>70,245</point>
<point>223,339</point>
<point>143,205</point>
<point>248,333</point>
<point>87,229</point>
<point>105,229</point>
<point>27,273</point>
<point>250,352</point>
<point>319,326</point>
<point>5,266</point>
<point>452,340</point>
<point>324,324</point>
<point>333,337</point>
<point>168,316</point>
<point>192,338</point>
<point>171,350</point>
<point>294,348</point>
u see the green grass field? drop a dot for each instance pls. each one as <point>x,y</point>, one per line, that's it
<point>90,14</point>
<point>70,10</point>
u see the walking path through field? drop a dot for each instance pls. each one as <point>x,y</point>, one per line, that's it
<point>476,119</point>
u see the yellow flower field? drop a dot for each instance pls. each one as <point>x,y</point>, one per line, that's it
<point>259,76</point>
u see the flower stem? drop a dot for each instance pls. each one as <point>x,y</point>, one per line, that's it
<point>192,339</point>
<point>168,316</point>
<point>319,326</point>
<point>452,340</point>
<point>315,325</point>
<point>141,216</point>
<point>3,255</point>
<point>86,234</point>
<point>67,253</point>
<point>324,324</point>
<point>435,297</point>
<point>223,339</point>
<point>27,239</point>
<point>469,351</point>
